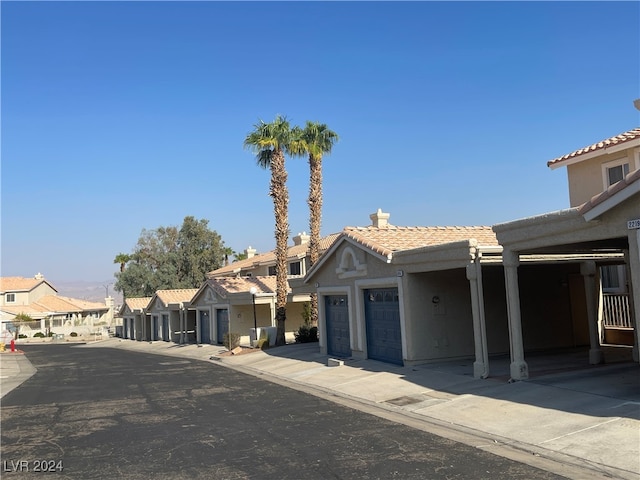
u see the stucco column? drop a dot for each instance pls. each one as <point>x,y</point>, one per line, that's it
<point>632,257</point>
<point>182,324</point>
<point>588,272</point>
<point>481,364</point>
<point>519,368</point>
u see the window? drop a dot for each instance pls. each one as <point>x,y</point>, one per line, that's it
<point>615,171</point>
<point>612,277</point>
<point>294,268</point>
<point>11,297</point>
<point>272,270</point>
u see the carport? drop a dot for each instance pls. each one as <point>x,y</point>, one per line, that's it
<point>603,231</point>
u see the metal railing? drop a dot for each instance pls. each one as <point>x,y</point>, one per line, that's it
<point>615,310</point>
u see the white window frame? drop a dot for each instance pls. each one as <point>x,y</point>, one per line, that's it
<point>10,298</point>
<point>612,164</point>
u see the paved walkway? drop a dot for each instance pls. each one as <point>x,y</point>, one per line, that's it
<point>581,422</point>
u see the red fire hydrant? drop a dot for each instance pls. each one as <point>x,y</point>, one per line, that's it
<point>13,345</point>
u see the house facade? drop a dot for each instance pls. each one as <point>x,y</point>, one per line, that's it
<point>410,295</point>
<point>169,317</point>
<point>600,235</point>
<point>38,299</point>
<point>136,324</point>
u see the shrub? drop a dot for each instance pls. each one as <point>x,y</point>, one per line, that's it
<point>38,335</point>
<point>263,343</point>
<point>22,335</point>
<point>231,340</point>
<point>73,334</point>
<point>306,334</point>
<point>50,334</point>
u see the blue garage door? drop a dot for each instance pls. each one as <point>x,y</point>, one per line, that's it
<point>155,328</point>
<point>222,324</point>
<point>382,318</point>
<point>337,320</point>
<point>165,328</point>
<point>205,327</point>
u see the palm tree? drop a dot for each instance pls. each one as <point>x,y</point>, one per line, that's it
<point>270,142</point>
<point>122,259</point>
<point>315,140</point>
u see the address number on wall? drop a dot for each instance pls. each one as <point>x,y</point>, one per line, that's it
<point>631,224</point>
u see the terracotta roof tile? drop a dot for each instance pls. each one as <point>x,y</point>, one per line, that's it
<point>269,258</point>
<point>20,284</point>
<point>137,303</point>
<point>388,239</point>
<point>223,286</point>
<point>630,178</point>
<point>607,143</point>
<point>176,295</point>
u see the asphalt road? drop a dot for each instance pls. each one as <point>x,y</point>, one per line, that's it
<point>106,413</point>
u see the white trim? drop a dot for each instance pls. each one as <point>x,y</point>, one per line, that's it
<point>612,201</point>
<point>612,164</point>
<point>596,153</point>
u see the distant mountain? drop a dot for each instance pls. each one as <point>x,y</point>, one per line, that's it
<point>86,290</point>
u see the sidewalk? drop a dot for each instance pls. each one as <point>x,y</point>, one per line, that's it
<point>581,423</point>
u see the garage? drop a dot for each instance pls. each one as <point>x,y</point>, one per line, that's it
<point>382,320</point>
<point>337,320</point>
<point>222,324</point>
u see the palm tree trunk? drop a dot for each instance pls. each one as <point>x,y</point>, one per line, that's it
<point>280,195</point>
<point>315,218</point>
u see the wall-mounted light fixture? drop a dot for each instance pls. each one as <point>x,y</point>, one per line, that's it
<point>435,299</point>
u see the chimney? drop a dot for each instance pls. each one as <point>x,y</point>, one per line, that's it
<point>301,239</point>
<point>250,252</point>
<point>380,219</point>
<point>39,276</point>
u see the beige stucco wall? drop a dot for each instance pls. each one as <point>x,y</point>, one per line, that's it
<point>586,178</point>
<point>442,330</point>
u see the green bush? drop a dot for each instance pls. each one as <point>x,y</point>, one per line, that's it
<point>22,335</point>
<point>306,334</point>
<point>231,340</point>
<point>50,334</point>
<point>263,343</point>
<point>73,334</point>
<point>38,335</point>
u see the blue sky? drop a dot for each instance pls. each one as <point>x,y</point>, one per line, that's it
<point>119,116</point>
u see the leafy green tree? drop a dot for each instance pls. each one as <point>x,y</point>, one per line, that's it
<point>270,142</point>
<point>315,140</point>
<point>168,257</point>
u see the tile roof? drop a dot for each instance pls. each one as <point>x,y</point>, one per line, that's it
<point>603,144</point>
<point>224,286</point>
<point>388,239</point>
<point>137,303</point>
<point>269,258</point>
<point>596,200</point>
<point>176,295</point>
<point>55,303</point>
<point>18,284</point>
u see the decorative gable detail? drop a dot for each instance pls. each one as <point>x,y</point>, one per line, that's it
<point>349,265</point>
<point>210,297</point>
